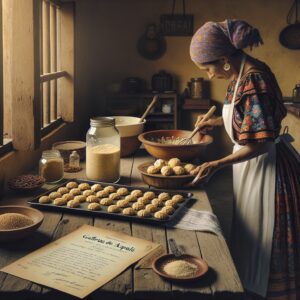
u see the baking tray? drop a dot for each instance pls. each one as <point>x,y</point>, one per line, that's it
<point>103,212</point>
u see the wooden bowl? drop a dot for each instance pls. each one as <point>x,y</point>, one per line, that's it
<point>15,234</point>
<point>159,264</point>
<point>66,147</point>
<point>164,182</point>
<point>166,151</point>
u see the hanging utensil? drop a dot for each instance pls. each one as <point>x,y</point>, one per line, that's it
<point>290,36</point>
<point>207,116</point>
<point>153,102</point>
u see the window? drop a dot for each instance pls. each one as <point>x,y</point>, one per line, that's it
<point>56,64</point>
<point>38,63</point>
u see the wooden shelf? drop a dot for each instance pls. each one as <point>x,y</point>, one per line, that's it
<point>136,104</point>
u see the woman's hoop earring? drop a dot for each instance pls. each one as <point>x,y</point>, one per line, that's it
<point>226,67</point>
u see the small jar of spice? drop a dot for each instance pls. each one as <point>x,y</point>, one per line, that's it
<point>51,166</point>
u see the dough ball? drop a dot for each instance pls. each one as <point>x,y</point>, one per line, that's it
<point>138,206</point>
<point>72,185</point>
<point>94,206</point>
<point>168,209</point>
<point>143,213</point>
<point>87,193</point>
<point>161,215</point>
<point>189,167</point>
<point>157,202</point>
<point>54,195</point>
<point>96,187</point>
<point>102,194</point>
<point>113,209</point>
<point>73,203</point>
<point>80,198</point>
<point>59,201</point>
<point>128,211</point>
<point>170,203</point>
<point>69,197</point>
<point>122,191</point>
<point>114,196</point>
<point>164,196</point>
<point>75,192</point>
<point>137,193</point>
<point>153,170</point>
<point>131,198</point>
<point>151,207</point>
<point>179,170</point>
<point>173,162</point>
<point>178,198</point>
<point>143,200</point>
<point>106,201</point>
<point>122,203</point>
<point>160,163</point>
<point>63,190</point>
<point>110,189</point>
<point>166,171</point>
<point>149,195</point>
<point>84,186</point>
<point>92,198</point>
<point>44,199</point>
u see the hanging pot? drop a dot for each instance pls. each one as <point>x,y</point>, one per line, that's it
<point>290,36</point>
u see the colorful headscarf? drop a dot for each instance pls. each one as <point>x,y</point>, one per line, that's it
<point>216,39</point>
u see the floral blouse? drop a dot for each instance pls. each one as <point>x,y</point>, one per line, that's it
<point>258,109</point>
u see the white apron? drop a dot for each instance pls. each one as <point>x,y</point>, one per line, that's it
<point>254,210</point>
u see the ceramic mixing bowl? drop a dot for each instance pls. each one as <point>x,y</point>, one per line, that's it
<point>186,153</point>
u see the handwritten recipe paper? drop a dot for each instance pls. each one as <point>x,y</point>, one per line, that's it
<point>81,261</point>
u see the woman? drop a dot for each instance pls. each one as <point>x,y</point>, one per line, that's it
<point>266,225</point>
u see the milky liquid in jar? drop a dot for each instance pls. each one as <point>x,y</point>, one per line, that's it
<point>103,150</point>
<point>103,162</point>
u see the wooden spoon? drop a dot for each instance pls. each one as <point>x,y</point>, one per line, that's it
<point>153,102</point>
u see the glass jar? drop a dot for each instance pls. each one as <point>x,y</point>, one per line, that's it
<point>196,88</point>
<point>103,150</point>
<point>51,166</point>
<point>74,160</point>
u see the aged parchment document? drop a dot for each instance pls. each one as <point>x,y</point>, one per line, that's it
<point>81,261</point>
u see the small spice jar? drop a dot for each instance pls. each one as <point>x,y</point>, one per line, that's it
<point>51,166</point>
<point>74,160</point>
<point>103,150</point>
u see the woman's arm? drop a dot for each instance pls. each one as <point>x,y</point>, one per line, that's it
<point>251,150</point>
<point>212,122</point>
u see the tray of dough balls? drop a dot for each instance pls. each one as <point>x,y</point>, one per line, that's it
<point>113,201</point>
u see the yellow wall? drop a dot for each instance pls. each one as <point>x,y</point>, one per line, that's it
<point>115,26</point>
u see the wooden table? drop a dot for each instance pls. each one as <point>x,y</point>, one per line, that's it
<point>221,282</point>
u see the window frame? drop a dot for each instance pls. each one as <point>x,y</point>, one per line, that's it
<point>25,74</point>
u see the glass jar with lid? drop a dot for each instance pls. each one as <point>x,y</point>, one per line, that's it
<point>103,150</point>
<point>51,166</point>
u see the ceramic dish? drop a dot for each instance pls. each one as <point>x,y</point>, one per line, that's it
<point>159,264</point>
<point>15,234</point>
<point>164,182</point>
<point>66,147</point>
<point>129,128</point>
<point>167,151</point>
<point>26,182</point>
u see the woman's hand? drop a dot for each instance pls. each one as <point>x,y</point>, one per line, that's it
<point>205,171</point>
<point>208,125</point>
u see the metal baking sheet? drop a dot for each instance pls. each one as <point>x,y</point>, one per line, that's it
<point>103,212</point>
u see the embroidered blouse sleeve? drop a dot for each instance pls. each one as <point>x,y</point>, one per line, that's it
<point>254,114</point>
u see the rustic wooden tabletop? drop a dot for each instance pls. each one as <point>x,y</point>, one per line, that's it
<point>221,281</point>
